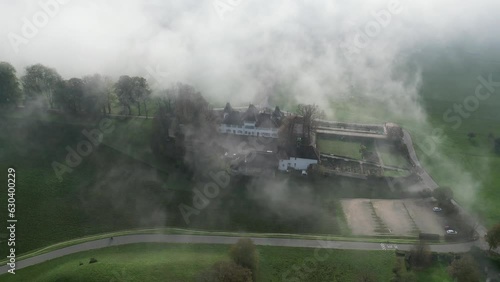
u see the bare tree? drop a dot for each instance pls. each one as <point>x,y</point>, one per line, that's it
<point>309,113</point>
<point>464,269</point>
<point>420,255</point>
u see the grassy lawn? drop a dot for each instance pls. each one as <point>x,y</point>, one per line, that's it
<point>340,148</point>
<point>391,157</point>
<point>183,262</point>
<point>50,210</point>
<point>122,178</point>
<point>434,273</point>
<point>468,166</point>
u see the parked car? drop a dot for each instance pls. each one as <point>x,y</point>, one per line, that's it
<point>437,209</point>
<point>451,232</point>
<point>304,172</point>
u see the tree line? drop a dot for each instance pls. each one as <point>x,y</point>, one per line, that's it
<point>91,94</point>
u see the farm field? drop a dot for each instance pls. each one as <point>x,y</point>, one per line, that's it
<point>174,262</point>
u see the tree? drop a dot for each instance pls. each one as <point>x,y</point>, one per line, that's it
<point>401,274</point>
<point>40,80</point>
<point>226,272</point>
<point>420,256</point>
<point>132,90</point>
<point>124,91</point>
<point>443,194</point>
<point>310,114</point>
<point>362,150</point>
<point>98,94</point>
<point>69,95</point>
<point>464,269</point>
<point>493,237</point>
<point>245,254</point>
<point>140,93</point>
<point>9,84</point>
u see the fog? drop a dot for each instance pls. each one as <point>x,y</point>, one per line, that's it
<point>248,51</point>
<point>236,50</point>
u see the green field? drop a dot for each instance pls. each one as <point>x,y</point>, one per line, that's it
<point>184,262</point>
<point>449,75</point>
<point>436,273</point>
<point>122,186</point>
<point>50,211</point>
<point>391,157</point>
<point>336,147</point>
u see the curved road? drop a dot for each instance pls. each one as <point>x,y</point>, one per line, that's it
<point>431,184</point>
<point>195,239</point>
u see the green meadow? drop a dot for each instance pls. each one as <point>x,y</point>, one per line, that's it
<point>184,262</point>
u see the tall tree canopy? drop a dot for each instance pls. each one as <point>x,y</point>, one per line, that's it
<point>140,92</point>
<point>310,113</point>
<point>9,84</point>
<point>443,194</point>
<point>69,95</point>
<point>98,93</point>
<point>132,90</point>
<point>40,80</point>
<point>123,88</point>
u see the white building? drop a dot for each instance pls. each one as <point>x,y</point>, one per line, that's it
<point>296,163</point>
<point>248,129</point>
<point>250,123</point>
<point>300,158</point>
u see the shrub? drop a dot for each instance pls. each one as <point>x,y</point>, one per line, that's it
<point>245,254</point>
<point>226,272</point>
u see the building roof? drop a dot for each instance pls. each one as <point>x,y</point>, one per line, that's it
<point>232,118</point>
<point>252,115</point>
<point>264,120</point>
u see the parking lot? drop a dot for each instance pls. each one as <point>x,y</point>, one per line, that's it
<point>405,217</point>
